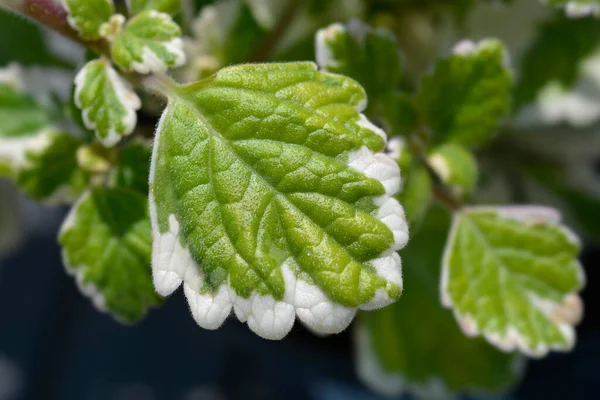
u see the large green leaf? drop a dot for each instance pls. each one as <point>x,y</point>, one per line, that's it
<point>150,42</point>
<point>107,101</point>
<point>87,16</point>
<point>511,274</point>
<point>415,345</point>
<point>107,242</point>
<point>371,56</point>
<point>269,195</point>
<point>465,97</point>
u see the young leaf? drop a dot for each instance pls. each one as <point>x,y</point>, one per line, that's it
<point>50,171</point>
<point>415,347</point>
<point>467,94</point>
<point>511,274</point>
<point>172,7</point>
<point>23,121</point>
<point>150,42</point>
<point>457,168</point>
<point>371,56</point>
<point>87,16</point>
<point>268,195</point>
<point>107,100</point>
<point>107,243</point>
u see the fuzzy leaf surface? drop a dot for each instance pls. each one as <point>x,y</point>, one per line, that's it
<point>269,194</point>
<point>511,274</point>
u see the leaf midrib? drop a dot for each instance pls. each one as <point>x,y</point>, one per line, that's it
<point>214,133</point>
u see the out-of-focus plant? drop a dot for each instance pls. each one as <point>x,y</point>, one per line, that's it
<point>272,186</point>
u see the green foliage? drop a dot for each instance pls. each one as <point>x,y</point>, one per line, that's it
<point>21,41</point>
<point>167,6</point>
<point>511,274</point>
<point>87,16</point>
<point>467,94</point>
<point>107,242</point>
<point>50,171</point>
<point>555,55</point>
<point>457,168</point>
<point>267,173</point>
<point>20,114</point>
<point>263,189</point>
<point>416,343</point>
<point>149,42</point>
<point>107,101</point>
<point>370,56</point>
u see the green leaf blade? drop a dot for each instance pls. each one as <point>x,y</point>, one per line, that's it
<point>50,172</point>
<point>149,43</point>
<point>107,101</point>
<point>23,121</point>
<point>107,243</point>
<point>511,275</point>
<point>87,16</point>
<point>464,99</point>
<point>399,351</point>
<point>275,203</point>
<point>370,56</point>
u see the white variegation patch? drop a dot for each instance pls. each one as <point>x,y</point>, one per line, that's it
<point>172,265</point>
<point>125,95</point>
<point>78,271</point>
<point>323,54</point>
<point>577,10</point>
<point>152,63</point>
<point>13,150</point>
<point>565,314</point>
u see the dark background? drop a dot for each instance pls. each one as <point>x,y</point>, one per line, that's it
<point>55,345</point>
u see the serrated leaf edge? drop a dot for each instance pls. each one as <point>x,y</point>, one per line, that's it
<point>512,339</point>
<point>173,265</point>
<point>124,92</point>
<point>88,289</point>
<point>150,62</point>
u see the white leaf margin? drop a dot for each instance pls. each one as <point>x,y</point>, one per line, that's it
<point>73,21</point>
<point>565,315</point>
<point>151,62</point>
<point>125,94</point>
<point>173,265</point>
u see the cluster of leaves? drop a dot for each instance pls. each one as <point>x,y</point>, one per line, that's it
<point>274,191</point>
